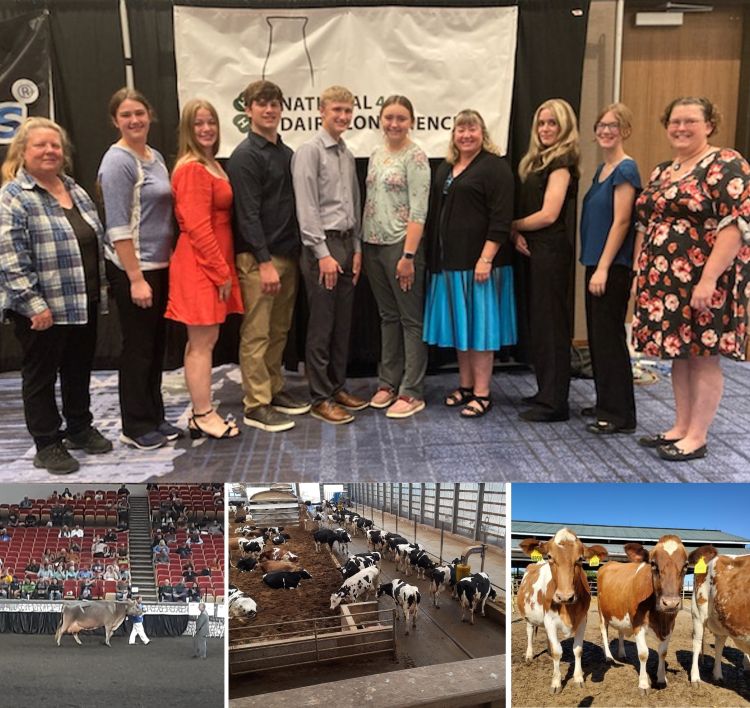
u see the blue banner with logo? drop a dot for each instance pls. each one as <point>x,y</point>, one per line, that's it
<point>24,72</point>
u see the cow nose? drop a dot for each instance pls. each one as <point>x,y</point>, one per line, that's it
<point>669,604</point>
<point>564,597</point>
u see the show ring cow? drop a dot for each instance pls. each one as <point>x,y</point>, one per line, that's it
<point>721,603</point>
<point>84,615</point>
<point>645,593</point>
<point>555,594</point>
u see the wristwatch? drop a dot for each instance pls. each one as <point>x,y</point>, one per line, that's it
<point>408,255</point>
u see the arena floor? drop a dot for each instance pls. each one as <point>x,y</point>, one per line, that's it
<point>618,685</point>
<point>36,672</point>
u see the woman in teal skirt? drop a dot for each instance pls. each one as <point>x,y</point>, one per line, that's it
<point>470,303</point>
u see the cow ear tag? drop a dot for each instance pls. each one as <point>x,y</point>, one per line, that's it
<point>700,566</point>
<point>536,556</point>
<point>594,561</point>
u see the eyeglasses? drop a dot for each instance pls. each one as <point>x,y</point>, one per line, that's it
<point>612,127</point>
<point>688,122</point>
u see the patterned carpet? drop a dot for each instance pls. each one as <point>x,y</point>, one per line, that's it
<point>433,446</point>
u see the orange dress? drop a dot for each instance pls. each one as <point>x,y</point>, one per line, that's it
<point>204,256</point>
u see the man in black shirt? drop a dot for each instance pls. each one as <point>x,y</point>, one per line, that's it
<point>267,244</point>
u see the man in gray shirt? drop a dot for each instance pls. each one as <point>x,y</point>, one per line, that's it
<point>201,633</point>
<point>328,212</point>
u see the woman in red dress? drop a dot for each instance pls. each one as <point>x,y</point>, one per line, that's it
<point>203,287</point>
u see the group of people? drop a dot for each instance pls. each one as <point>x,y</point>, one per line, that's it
<point>437,250</point>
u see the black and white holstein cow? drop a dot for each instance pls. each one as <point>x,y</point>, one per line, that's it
<point>361,584</point>
<point>443,577</point>
<point>245,565</point>
<point>359,562</point>
<point>251,546</point>
<point>421,561</point>
<point>721,602</point>
<point>285,580</point>
<point>331,536</point>
<point>406,597</point>
<point>364,524</point>
<point>473,593</point>
<point>403,552</point>
<point>375,539</point>
<point>240,605</point>
<point>392,542</point>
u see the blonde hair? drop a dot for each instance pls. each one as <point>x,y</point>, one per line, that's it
<point>14,157</point>
<point>188,147</point>
<point>623,114</point>
<point>339,94</point>
<point>469,116</point>
<point>538,157</point>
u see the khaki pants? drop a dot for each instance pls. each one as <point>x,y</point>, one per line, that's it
<point>264,328</point>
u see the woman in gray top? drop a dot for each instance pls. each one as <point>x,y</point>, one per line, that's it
<point>398,188</point>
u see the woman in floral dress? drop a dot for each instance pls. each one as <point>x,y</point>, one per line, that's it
<point>693,271</point>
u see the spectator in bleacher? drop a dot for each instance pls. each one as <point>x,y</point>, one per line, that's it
<point>214,528</point>
<point>30,520</point>
<point>71,572</point>
<point>5,536</point>
<point>87,590</point>
<point>122,590</point>
<point>194,537</point>
<point>158,536</point>
<point>97,569</point>
<point>68,516</point>
<point>170,536</point>
<point>64,532</point>
<point>13,519</point>
<point>28,587</point>
<point>25,503</point>
<point>99,549</point>
<point>98,495</point>
<point>55,589</point>
<point>195,594</point>
<point>45,572</point>
<point>42,588</point>
<point>67,494</point>
<point>161,552</point>
<point>165,591</point>
<point>3,587</point>
<point>205,571</point>
<point>216,565</point>
<point>123,491</point>
<point>180,591</point>
<point>183,550</point>
<point>122,551</point>
<point>75,546</point>
<point>73,553</point>
<point>110,536</point>
<point>188,572</point>
<point>32,566</point>
<point>125,574</point>
<point>111,573</point>
<point>14,584</point>
<point>77,532</point>
<point>84,573</point>
<point>57,513</point>
<point>182,521</point>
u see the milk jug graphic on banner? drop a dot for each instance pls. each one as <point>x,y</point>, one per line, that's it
<point>288,56</point>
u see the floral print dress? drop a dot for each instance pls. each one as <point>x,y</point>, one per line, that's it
<point>680,220</point>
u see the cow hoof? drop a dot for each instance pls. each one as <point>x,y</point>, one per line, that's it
<point>644,691</point>
<point>527,660</point>
<point>661,684</point>
<point>579,684</point>
<point>555,689</point>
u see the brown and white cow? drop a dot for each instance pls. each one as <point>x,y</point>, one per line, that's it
<point>721,602</point>
<point>645,593</point>
<point>555,594</point>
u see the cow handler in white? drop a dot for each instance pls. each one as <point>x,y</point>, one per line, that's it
<point>201,633</point>
<point>137,619</point>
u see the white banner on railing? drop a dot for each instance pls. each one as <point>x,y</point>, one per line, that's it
<point>443,59</point>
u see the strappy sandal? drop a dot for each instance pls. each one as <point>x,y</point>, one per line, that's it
<point>460,397</point>
<point>485,405</point>
<point>230,430</point>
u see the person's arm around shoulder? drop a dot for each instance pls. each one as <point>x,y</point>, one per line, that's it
<point>305,164</point>
<point>626,182</point>
<point>118,175</point>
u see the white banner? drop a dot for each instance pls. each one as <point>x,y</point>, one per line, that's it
<point>443,59</point>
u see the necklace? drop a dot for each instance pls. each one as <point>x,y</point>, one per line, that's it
<point>677,164</point>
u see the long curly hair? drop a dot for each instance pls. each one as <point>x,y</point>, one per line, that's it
<point>538,157</point>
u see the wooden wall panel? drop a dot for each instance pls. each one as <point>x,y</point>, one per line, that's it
<point>702,57</point>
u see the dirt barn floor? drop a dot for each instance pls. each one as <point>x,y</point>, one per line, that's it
<point>36,672</point>
<point>618,685</point>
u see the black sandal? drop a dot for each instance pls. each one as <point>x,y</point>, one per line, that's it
<point>230,431</point>
<point>460,397</point>
<point>485,404</point>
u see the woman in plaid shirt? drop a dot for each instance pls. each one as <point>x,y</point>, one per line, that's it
<point>51,267</point>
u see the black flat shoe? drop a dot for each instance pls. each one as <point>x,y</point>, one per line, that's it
<point>672,453</point>
<point>656,440</point>
<point>536,415</point>
<point>605,427</point>
<point>529,399</point>
<point>588,412</point>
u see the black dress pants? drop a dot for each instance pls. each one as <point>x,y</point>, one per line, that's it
<point>610,358</point>
<point>550,265</point>
<point>68,349</point>
<point>143,343</point>
<point>329,326</point>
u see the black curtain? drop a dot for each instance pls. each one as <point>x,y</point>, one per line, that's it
<point>48,622</point>
<point>549,64</point>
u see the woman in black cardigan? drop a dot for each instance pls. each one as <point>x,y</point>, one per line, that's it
<point>470,303</point>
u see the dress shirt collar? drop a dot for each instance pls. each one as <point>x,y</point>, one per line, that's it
<point>261,141</point>
<point>329,141</point>
<point>28,182</point>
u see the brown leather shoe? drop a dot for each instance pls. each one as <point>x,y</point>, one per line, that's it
<point>329,412</point>
<point>350,401</point>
